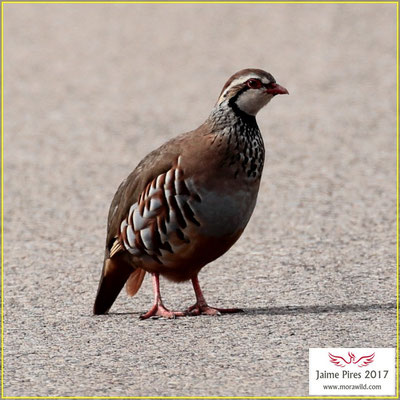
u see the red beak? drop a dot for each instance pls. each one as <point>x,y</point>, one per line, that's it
<point>274,88</point>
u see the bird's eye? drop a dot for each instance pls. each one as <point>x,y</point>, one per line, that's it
<point>254,84</point>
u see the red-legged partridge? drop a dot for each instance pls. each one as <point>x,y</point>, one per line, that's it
<point>188,202</point>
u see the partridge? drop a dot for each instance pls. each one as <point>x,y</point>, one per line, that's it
<point>188,202</point>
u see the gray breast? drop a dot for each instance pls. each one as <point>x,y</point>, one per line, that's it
<point>221,213</point>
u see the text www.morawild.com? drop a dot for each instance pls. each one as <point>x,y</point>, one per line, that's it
<point>362,386</point>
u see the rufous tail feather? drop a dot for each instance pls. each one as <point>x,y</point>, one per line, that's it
<point>135,281</point>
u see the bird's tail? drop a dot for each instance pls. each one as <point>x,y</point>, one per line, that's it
<point>116,272</point>
<point>135,281</point>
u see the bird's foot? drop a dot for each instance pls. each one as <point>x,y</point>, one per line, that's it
<point>159,311</point>
<point>205,309</point>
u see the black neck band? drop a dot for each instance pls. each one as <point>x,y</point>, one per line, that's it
<point>247,118</point>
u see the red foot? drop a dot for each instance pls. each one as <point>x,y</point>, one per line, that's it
<point>159,311</point>
<point>205,309</point>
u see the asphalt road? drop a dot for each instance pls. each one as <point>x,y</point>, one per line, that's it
<point>91,89</point>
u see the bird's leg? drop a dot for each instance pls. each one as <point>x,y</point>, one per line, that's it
<point>201,306</point>
<point>158,309</point>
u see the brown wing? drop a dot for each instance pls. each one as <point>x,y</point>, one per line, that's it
<point>118,268</point>
<point>156,163</point>
<point>155,224</point>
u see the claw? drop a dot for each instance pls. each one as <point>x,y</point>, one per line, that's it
<point>201,306</point>
<point>159,311</point>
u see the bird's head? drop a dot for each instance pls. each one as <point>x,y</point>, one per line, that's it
<point>249,90</point>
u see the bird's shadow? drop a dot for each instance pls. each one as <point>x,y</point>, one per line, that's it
<point>319,309</point>
<point>296,310</point>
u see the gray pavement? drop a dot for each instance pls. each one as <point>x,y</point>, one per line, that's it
<point>91,89</point>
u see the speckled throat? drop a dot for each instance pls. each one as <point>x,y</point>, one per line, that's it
<point>238,136</point>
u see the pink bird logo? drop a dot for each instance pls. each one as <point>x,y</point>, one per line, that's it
<point>361,362</point>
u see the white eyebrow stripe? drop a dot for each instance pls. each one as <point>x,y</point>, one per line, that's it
<point>243,79</point>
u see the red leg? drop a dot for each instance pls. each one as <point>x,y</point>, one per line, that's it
<point>201,306</point>
<point>158,309</point>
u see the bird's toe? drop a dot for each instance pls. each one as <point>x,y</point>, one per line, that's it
<point>159,311</point>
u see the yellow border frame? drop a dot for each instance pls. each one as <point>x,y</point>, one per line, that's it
<point>198,2</point>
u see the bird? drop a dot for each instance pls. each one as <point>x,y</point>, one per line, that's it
<point>187,202</point>
<point>361,362</point>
